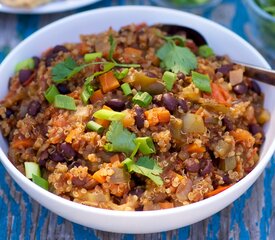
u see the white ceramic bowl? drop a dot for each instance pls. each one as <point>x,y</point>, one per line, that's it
<point>67,30</point>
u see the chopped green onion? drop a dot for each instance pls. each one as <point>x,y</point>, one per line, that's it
<point>25,64</point>
<point>135,150</point>
<point>92,56</point>
<point>206,51</point>
<point>86,93</point>
<point>109,115</point>
<point>41,182</point>
<point>169,78</point>
<point>122,74</point>
<point>50,93</point>
<point>65,102</point>
<point>32,168</point>
<point>146,145</point>
<point>143,99</point>
<point>201,81</point>
<point>93,126</point>
<point>126,89</point>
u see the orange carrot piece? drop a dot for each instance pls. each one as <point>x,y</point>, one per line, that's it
<point>83,48</point>
<point>97,96</point>
<point>128,120</point>
<point>98,177</point>
<point>216,191</point>
<point>108,82</point>
<point>152,117</point>
<point>163,115</point>
<point>132,52</point>
<point>115,158</point>
<point>165,205</point>
<point>220,94</point>
<point>195,148</point>
<point>22,143</point>
<point>244,136</point>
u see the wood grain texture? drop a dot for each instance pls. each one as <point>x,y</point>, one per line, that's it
<point>252,216</point>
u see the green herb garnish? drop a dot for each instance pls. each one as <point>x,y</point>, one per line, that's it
<point>112,42</point>
<point>119,139</point>
<point>146,145</point>
<point>126,89</point>
<point>32,168</point>
<point>41,182</point>
<point>201,81</point>
<point>205,51</point>
<point>64,102</point>
<point>122,74</point>
<point>50,93</point>
<point>89,57</point>
<point>93,126</point>
<point>145,166</point>
<point>176,58</point>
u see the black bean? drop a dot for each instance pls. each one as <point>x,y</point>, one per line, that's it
<point>255,87</point>
<point>57,157</point>
<point>225,69</point>
<point>206,167</point>
<point>181,76</point>
<point>43,158</point>
<point>49,58</point>
<point>24,75</point>
<point>139,118</point>
<point>191,165</point>
<point>183,104</point>
<point>67,151</point>
<point>240,89</point>
<point>77,163</point>
<point>63,88</point>
<point>34,108</point>
<point>116,104</point>
<point>138,191</point>
<point>228,124</point>
<point>157,100</point>
<point>255,128</point>
<point>36,61</point>
<point>59,48</point>
<point>169,102</point>
<point>226,179</point>
<point>9,112</point>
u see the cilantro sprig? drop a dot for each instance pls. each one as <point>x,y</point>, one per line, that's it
<point>145,166</point>
<point>175,57</point>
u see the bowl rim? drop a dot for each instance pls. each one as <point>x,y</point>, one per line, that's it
<point>256,8</point>
<point>247,180</point>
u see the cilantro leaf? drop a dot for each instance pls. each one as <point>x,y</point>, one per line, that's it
<point>112,42</point>
<point>201,81</point>
<point>65,70</point>
<point>120,139</point>
<point>176,58</point>
<point>146,166</point>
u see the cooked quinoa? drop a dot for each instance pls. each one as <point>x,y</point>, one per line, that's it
<point>147,122</point>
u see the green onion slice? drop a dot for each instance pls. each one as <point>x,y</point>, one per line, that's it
<point>109,115</point>
<point>206,51</point>
<point>122,74</point>
<point>32,168</point>
<point>25,64</point>
<point>93,126</point>
<point>50,93</point>
<point>201,81</point>
<point>126,89</point>
<point>41,182</point>
<point>169,78</point>
<point>92,56</point>
<point>65,102</point>
<point>86,93</point>
<point>143,99</point>
<point>146,145</point>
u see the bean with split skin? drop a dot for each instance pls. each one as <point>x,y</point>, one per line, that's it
<point>116,104</point>
<point>67,151</point>
<point>169,102</point>
<point>139,118</point>
<point>255,87</point>
<point>255,128</point>
<point>206,167</point>
<point>191,165</point>
<point>57,157</point>
<point>34,108</point>
<point>9,112</point>
<point>43,158</point>
<point>24,75</point>
<point>63,88</point>
<point>228,124</point>
<point>59,48</point>
<point>36,61</point>
<point>183,104</point>
<point>225,69</point>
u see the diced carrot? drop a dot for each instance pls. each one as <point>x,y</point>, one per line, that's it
<point>216,191</point>
<point>220,94</point>
<point>243,136</point>
<point>165,205</point>
<point>97,96</point>
<point>164,116</point>
<point>115,158</point>
<point>71,135</point>
<point>22,143</point>
<point>98,176</point>
<point>132,52</point>
<point>83,48</point>
<point>108,82</point>
<point>195,148</point>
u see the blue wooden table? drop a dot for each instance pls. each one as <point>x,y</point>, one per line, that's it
<point>252,216</point>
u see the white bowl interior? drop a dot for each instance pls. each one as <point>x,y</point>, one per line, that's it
<point>220,39</point>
